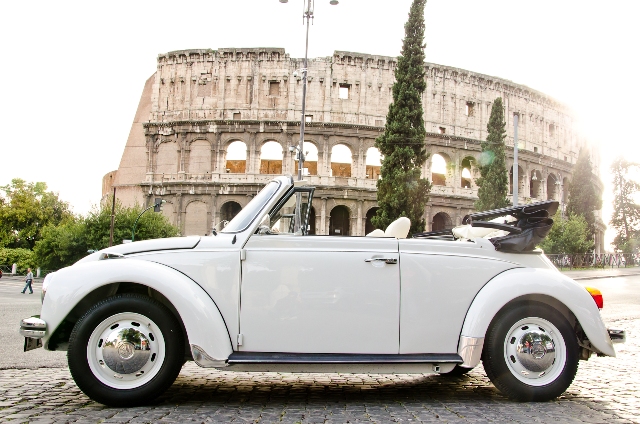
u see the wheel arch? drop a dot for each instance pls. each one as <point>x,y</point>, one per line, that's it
<point>77,288</point>
<point>539,285</point>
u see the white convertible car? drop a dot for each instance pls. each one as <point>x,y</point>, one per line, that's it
<point>262,295</point>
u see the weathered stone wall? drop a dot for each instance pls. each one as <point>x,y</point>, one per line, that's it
<point>200,101</point>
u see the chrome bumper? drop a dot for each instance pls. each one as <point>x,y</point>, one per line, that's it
<point>33,329</point>
<point>617,336</point>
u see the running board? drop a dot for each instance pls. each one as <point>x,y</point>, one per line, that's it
<point>341,358</point>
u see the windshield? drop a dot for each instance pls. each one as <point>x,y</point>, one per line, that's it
<point>249,212</point>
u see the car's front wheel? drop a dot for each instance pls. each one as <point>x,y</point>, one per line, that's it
<point>126,350</point>
<point>531,352</point>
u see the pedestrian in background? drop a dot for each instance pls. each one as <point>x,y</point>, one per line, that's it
<point>28,279</point>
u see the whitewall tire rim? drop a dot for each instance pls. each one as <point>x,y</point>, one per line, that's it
<point>126,351</point>
<point>535,351</point>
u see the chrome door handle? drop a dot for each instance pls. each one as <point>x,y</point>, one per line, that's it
<point>392,261</point>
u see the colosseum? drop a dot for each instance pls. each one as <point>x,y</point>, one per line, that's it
<point>213,126</point>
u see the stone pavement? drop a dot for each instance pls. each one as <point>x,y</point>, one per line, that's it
<point>605,391</point>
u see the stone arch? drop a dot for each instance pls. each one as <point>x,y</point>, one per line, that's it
<point>340,221</point>
<point>341,160</point>
<point>440,163</point>
<point>368,225</point>
<point>271,157</point>
<point>199,156</point>
<point>167,157</point>
<point>229,210</point>
<point>195,220</point>
<point>441,221</point>
<point>373,163</point>
<point>310,158</point>
<point>553,184</point>
<point>535,184</point>
<point>236,157</point>
<point>466,175</point>
<point>521,179</point>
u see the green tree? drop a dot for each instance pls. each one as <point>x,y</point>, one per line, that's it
<point>568,236</point>
<point>25,209</point>
<point>23,258</point>
<point>584,198</point>
<point>626,211</point>
<point>493,183</point>
<point>401,191</point>
<point>64,244</point>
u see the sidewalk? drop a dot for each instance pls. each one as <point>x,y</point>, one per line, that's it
<point>607,272</point>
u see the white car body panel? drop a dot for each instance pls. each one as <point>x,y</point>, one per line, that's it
<point>522,281</point>
<point>318,295</point>
<point>202,320</point>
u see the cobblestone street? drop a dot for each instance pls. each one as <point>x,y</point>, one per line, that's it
<point>605,390</point>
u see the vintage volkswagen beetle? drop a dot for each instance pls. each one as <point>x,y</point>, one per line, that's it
<point>261,295</point>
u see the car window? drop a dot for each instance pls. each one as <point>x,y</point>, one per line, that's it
<point>283,217</point>
<point>249,212</point>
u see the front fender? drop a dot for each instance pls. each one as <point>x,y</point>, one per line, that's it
<point>519,282</point>
<point>202,320</point>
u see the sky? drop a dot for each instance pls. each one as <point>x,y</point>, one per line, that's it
<point>73,71</point>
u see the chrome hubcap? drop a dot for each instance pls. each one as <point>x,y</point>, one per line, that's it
<point>534,351</point>
<point>126,350</point>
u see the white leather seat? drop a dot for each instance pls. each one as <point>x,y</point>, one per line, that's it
<point>398,228</point>
<point>376,233</point>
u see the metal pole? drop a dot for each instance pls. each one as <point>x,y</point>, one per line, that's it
<point>515,159</point>
<point>113,217</point>
<point>133,231</point>
<point>307,14</point>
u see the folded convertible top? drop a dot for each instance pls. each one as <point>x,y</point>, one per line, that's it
<point>525,225</point>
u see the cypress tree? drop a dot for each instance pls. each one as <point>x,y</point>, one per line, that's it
<point>401,191</point>
<point>493,184</point>
<point>584,198</point>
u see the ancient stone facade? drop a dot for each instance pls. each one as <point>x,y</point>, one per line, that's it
<point>213,126</point>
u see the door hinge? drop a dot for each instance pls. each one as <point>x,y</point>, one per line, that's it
<point>239,339</point>
<point>243,255</point>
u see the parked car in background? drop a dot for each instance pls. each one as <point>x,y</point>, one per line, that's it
<point>262,295</point>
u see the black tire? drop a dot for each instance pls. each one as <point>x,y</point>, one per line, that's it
<point>98,380</point>
<point>457,371</point>
<point>520,370</point>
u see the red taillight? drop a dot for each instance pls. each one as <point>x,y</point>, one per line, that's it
<point>597,296</point>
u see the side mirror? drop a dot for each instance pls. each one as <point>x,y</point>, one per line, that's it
<point>265,225</point>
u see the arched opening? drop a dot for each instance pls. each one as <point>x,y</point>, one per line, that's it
<point>339,221</point>
<point>310,159</point>
<point>373,163</point>
<point>534,184</point>
<point>520,181</point>
<point>438,170</point>
<point>368,226</point>
<point>229,210</point>
<point>441,221</point>
<point>465,181</point>
<point>195,222</point>
<point>340,161</point>
<point>200,157</point>
<point>236,158</point>
<point>312,222</point>
<point>271,158</point>
<point>552,187</point>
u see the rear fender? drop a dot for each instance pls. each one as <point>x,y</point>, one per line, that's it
<point>205,327</point>
<point>519,282</point>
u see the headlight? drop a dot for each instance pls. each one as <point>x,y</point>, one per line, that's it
<point>45,285</point>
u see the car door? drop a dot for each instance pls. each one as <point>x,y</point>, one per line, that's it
<point>318,294</point>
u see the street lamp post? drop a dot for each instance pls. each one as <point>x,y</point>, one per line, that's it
<point>307,15</point>
<point>156,208</point>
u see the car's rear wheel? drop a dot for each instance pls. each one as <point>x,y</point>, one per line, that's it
<point>531,352</point>
<point>126,350</point>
